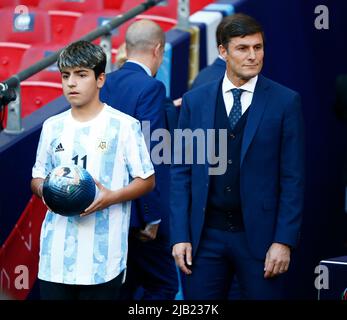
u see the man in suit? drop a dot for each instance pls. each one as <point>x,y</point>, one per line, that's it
<point>133,90</point>
<point>246,220</point>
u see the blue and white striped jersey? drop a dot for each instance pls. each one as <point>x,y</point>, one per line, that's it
<point>91,249</point>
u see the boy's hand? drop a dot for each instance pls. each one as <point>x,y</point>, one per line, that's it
<point>105,199</point>
<point>40,194</point>
<point>44,202</point>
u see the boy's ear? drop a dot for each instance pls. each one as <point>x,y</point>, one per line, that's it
<point>100,81</point>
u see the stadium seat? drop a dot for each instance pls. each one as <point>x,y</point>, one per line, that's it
<point>13,3</point>
<point>211,19</point>
<point>10,58</point>
<point>90,21</point>
<point>113,4</point>
<point>72,5</point>
<point>62,25</point>
<point>165,23</point>
<point>168,8</point>
<point>33,28</point>
<point>30,3</point>
<point>35,54</point>
<point>198,5</point>
<point>35,94</point>
<point>7,3</point>
<point>174,70</point>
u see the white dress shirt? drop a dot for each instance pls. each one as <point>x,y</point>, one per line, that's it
<point>144,67</point>
<point>246,97</point>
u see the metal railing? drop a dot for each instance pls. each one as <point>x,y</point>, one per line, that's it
<point>10,88</point>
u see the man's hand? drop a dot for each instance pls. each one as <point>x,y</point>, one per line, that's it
<point>182,253</point>
<point>277,260</point>
<point>177,102</point>
<point>148,233</point>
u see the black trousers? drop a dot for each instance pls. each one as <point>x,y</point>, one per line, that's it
<point>151,271</point>
<point>60,291</point>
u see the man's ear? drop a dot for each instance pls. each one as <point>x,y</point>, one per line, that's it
<point>157,50</point>
<point>100,81</point>
<point>222,51</point>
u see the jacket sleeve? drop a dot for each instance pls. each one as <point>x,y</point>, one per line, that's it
<point>151,108</point>
<point>291,175</point>
<point>180,187</point>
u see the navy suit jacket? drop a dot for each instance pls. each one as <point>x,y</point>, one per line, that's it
<point>132,91</point>
<point>271,168</point>
<point>210,73</point>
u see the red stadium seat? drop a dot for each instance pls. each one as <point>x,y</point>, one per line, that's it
<point>72,5</point>
<point>165,23</point>
<point>31,29</point>
<point>30,3</point>
<point>197,5</point>
<point>35,54</point>
<point>10,58</point>
<point>113,4</point>
<point>62,25</point>
<point>168,8</point>
<point>90,21</point>
<point>13,3</point>
<point>7,3</point>
<point>35,94</point>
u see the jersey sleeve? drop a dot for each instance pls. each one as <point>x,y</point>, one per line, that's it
<point>137,157</point>
<point>43,164</point>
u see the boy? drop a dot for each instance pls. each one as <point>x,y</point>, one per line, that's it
<point>84,257</point>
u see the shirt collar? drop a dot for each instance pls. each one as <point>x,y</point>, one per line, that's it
<point>249,86</point>
<point>144,67</point>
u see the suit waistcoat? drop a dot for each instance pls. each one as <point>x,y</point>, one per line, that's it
<point>224,201</point>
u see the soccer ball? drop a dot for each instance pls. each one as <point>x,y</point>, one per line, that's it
<point>68,190</point>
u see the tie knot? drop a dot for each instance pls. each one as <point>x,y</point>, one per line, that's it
<point>237,93</point>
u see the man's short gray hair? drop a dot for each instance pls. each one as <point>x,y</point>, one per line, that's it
<point>143,35</point>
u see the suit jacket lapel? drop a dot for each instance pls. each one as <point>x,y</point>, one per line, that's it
<point>208,106</point>
<point>255,114</point>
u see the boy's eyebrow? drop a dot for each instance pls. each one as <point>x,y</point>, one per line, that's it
<point>81,70</point>
<point>75,71</point>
